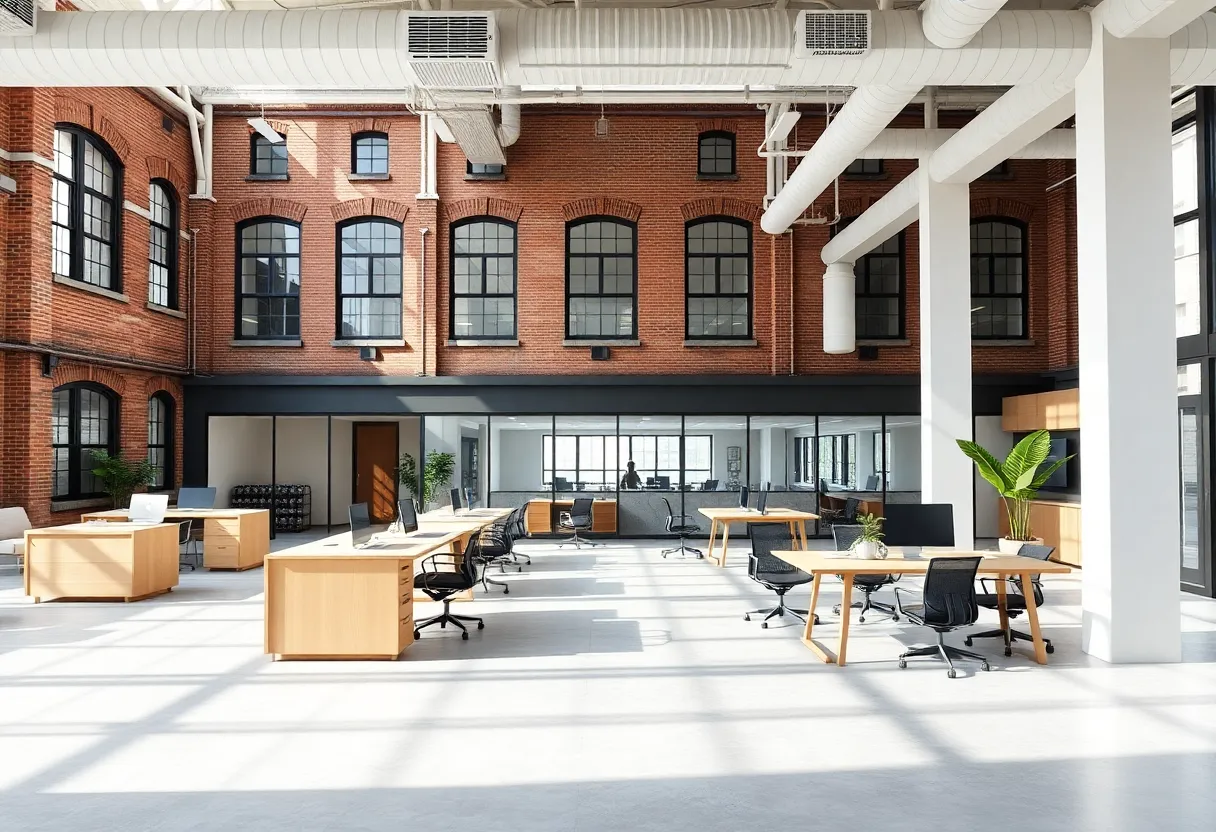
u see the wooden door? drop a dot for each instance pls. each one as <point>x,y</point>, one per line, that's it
<point>375,455</point>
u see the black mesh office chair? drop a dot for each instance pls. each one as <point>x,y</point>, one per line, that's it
<point>407,514</point>
<point>1015,600</point>
<point>441,585</point>
<point>577,519</point>
<point>495,547</point>
<point>845,537</point>
<point>679,524</point>
<point>849,516</point>
<point>947,603</point>
<point>770,571</point>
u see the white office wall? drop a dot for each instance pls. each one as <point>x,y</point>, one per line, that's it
<point>517,460</point>
<point>988,434</point>
<point>905,458</point>
<point>300,458</point>
<point>342,470</point>
<point>865,440</point>
<point>238,453</point>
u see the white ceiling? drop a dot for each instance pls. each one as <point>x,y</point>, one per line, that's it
<point>477,5</point>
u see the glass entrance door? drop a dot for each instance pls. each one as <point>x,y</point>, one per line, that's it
<point>1192,453</point>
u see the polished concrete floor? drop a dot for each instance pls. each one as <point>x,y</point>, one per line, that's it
<point>611,690</point>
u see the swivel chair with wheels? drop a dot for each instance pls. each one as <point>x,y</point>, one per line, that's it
<point>678,524</point>
<point>440,585</point>
<point>578,519</point>
<point>495,548</point>
<point>772,572</point>
<point>1015,601</point>
<point>947,603</point>
<point>845,537</point>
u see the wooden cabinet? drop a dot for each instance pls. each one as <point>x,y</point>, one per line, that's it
<point>118,560</point>
<point>233,538</point>
<point>1058,523</point>
<point>1055,410</point>
<point>541,515</point>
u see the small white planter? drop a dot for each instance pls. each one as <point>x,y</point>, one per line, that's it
<point>1012,547</point>
<point>866,549</point>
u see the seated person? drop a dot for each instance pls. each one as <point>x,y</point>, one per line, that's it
<point>631,478</point>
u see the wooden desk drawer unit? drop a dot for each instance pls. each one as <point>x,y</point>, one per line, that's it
<point>79,561</point>
<point>236,542</point>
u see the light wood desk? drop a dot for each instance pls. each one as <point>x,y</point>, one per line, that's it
<point>233,538</point>
<point>112,560</point>
<point>540,520</point>
<point>839,563</point>
<point>721,518</point>
<point>483,516</point>
<point>329,600</point>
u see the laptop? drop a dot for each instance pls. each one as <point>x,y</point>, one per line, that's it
<point>195,498</point>
<point>762,502</point>
<point>148,509</point>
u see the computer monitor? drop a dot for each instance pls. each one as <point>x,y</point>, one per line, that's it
<point>456,505</point>
<point>651,482</point>
<point>762,502</point>
<point>196,498</point>
<point>744,494</point>
<point>361,529</point>
<point>469,498</point>
<point>408,515</point>
<point>148,509</point>
<point>663,482</point>
<point>918,524</point>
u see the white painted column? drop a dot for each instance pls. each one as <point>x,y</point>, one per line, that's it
<point>1128,353</point>
<point>945,350</point>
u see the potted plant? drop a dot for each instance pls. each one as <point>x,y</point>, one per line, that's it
<point>437,474</point>
<point>1017,480</point>
<point>869,545</point>
<point>120,478</point>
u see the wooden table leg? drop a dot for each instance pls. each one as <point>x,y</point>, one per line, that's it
<point>802,531</point>
<point>1002,605</point>
<point>713,528</point>
<point>1032,613</point>
<point>846,602</point>
<point>810,617</point>
<point>725,537</point>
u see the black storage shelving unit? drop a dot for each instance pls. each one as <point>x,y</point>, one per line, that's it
<point>290,505</point>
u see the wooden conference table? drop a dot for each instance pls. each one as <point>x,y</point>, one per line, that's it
<point>127,561</point>
<point>721,518</point>
<point>233,538</point>
<point>328,600</point>
<point>992,565</point>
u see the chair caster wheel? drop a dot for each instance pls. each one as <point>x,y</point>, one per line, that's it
<point>506,590</point>
<point>464,636</point>
<point>1008,652</point>
<point>903,663</point>
<point>836,610</point>
<point>481,625</point>
<point>700,556</point>
<point>747,617</point>
<point>816,618</point>
<point>861,619</point>
<point>967,642</point>
<point>763,625</point>
<point>1050,649</point>
<point>985,666</point>
<point>952,673</point>
<point>417,634</point>
<point>894,617</point>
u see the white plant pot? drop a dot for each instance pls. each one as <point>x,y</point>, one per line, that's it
<point>1012,547</point>
<point>867,549</point>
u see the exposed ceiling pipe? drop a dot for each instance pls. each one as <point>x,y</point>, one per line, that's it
<point>508,125</point>
<point>174,100</point>
<point>893,212</point>
<point>863,117</point>
<point>1149,18</point>
<point>914,143</point>
<point>196,145</point>
<point>951,24</point>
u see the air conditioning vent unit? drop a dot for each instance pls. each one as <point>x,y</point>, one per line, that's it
<point>826,33</point>
<point>452,50</point>
<point>17,17</point>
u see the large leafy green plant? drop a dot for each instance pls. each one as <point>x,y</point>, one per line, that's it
<point>437,474</point>
<point>1018,478</point>
<point>120,478</point>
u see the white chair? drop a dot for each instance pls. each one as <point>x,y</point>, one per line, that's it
<point>13,523</point>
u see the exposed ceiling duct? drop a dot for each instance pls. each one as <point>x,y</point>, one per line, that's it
<point>914,143</point>
<point>951,24</point>
<point>1149,18</point>
<point>476,133</point>
<point>892,213</point>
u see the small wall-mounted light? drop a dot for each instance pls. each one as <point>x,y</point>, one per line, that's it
<point>49,363</point>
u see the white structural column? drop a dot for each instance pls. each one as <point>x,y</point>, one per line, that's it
<point>1128,352</point>
<point>945,350</point>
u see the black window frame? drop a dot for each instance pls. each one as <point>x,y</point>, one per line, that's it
<point>1024,295</point>
<point>599,257</point>
<point>857,169</point>
<point>74,446</point>
<point>172,234</point>
<point>862,281</point>
<point>998,172</point>
<point>716,135</point>
<point>255,139</point>
<point>81,136</point>
<point>841,451</point>
<point>369,135</point>
<point>240,295</point>
<point>339,296</point>
<point>751,277</point>
<point>452,294</point>
<point>167,445</point>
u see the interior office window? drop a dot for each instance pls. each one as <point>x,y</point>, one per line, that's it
<point>998,278</point>
<point>162,244</point>
<point>483,278</point>
<point>368,154</point>
<point>698,458</point>
<point>718,270</point>
<point>655,458</point>
<point>716,153</point>
<point>266,159</point>
<point>160,439</point>
<point>804,460</point>
<point>601,292</point>
<point>478,169</point>
<point>1186,221</point>
<point>838,460</point>
<point>86,191</point>
<point>864,167</point>
<point>882,458</point>
<point>369,278</point>
<point>582,462</point>
<point>268,279</point>
<point>83,420</point>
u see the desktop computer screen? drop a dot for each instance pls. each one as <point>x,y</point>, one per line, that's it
<point>744,494</point>
<point>762,502</point>
<point>912,524</point>
<point>195,497</point>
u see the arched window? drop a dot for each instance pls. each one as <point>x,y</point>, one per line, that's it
<point>601,284</point>
<point>86,209</point>
<point>266,159</point>
<point>483,278</point>
<point>998,278</point>
<point>84,418</point>
<point>879,288</point>
<point>718,278</point>
<point>162,244</point>
<point>160,439</point>
<point>716,153</point>
<point>369,278</point>
<point>369,153</point>
<point>268,279</point>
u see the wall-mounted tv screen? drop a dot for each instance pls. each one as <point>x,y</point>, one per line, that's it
<point>1059,450</point>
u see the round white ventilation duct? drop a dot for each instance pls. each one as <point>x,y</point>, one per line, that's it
<point>839,309</point>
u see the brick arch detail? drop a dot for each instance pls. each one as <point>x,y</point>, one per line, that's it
<point>727,125</point>
<point>483,207</point>
<point>602,206</point>
<point>996,206</point>
<point>721,205</point>
<point>370,207</point>
<point>70,372</point>
<point>163,384</point>
<point>73,111</point>
<point>378,125</point>
<point>161,168</point>
<point>109,131</point>
<point>268,207</point>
